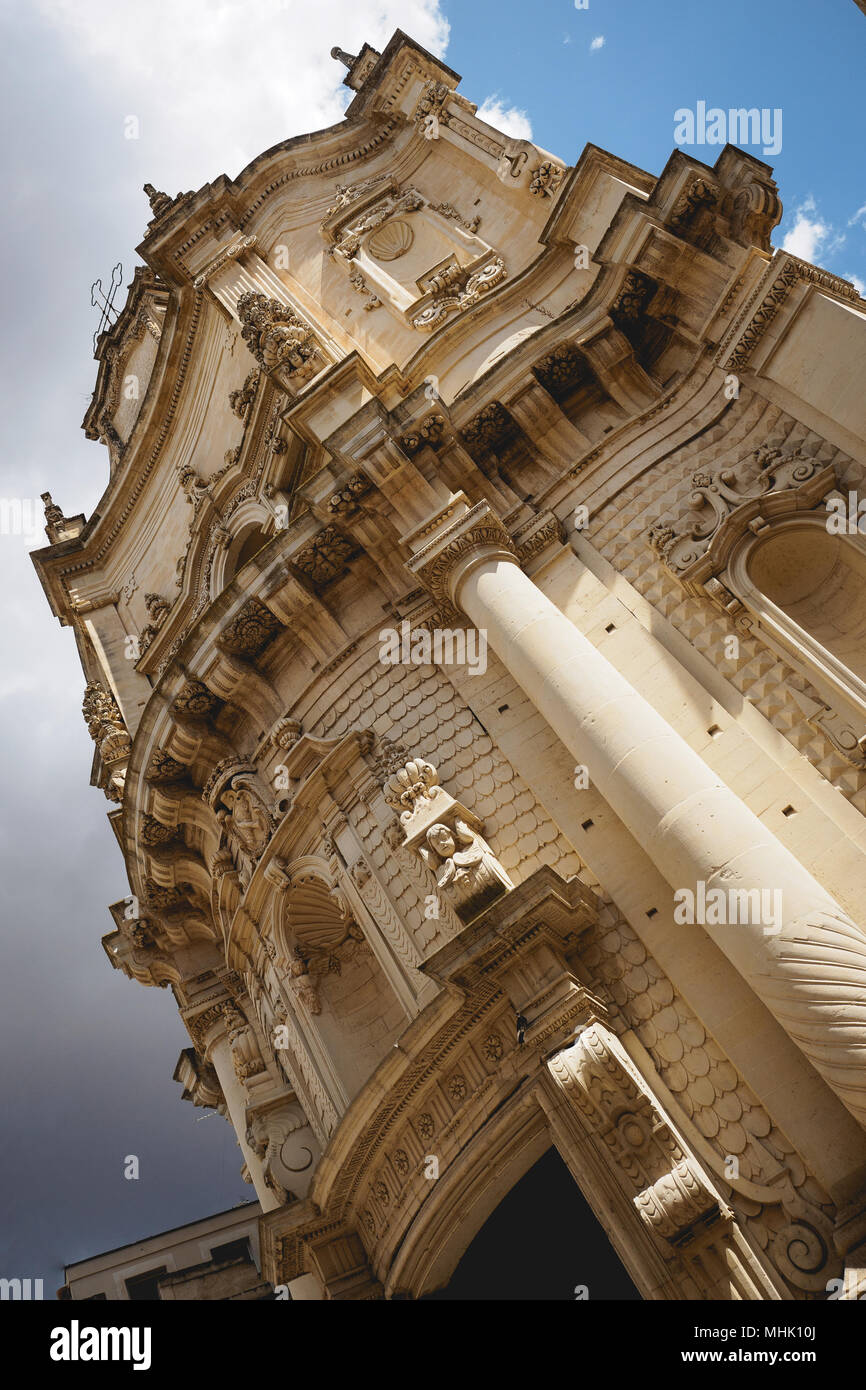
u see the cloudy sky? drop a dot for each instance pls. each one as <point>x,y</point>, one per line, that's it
<point>86,1056</point>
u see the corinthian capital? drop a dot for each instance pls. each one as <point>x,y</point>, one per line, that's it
<point>452,542</point>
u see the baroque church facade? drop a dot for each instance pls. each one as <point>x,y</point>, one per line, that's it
<point>478,684</point>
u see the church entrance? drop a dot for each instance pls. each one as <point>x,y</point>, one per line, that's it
<point>542,1242</point>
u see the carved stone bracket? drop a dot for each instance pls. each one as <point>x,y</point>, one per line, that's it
<point>250,630</point>
<point>325,557</point>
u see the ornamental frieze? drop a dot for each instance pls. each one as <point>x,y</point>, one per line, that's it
<point>463,289</point>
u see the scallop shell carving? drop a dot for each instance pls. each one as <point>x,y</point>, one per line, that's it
<point>391,241</point>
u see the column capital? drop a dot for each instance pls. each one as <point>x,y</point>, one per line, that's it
<point>452,542</point>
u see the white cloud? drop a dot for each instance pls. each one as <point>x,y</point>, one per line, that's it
<point>216,82</point>
<point>859,216</point>
<point>859,285</point>
<point>597,44</point>
<point>809,234</point>
<point>505,118</point>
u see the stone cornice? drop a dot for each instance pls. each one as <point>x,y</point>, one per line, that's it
<point>231,253</point>
<point>782,274</point>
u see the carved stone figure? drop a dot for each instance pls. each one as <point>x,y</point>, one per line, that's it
<point>472,874</point>
<point>105,722</point>
<point>246,820</point>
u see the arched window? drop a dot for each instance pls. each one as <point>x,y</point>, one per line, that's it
<point>252,528</point>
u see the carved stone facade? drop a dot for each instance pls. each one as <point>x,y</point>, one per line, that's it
<point>435,659</point>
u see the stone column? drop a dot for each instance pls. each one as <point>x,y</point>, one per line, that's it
<point>218,1051</point>
<point>811,974</point>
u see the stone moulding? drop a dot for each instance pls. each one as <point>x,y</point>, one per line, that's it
<point>783,273</point>
<point>231,253</point>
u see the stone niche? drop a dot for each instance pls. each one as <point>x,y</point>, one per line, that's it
<point>423,261</point>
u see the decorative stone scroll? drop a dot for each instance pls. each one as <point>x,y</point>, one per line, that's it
<point>105,723</point>
<point>280,341</point>
<point>460,290</point>
<point>717,498</point>
<point>662,1180</point>
<point>280,1135</point>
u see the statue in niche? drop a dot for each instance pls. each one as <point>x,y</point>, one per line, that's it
<point>246,824</point>
<point>246,819</point>
<point>472,874</point>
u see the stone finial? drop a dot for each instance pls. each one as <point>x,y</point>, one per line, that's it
<point>347,59</point>
<point>412,784</point>
<point>159,202</point>
<point>53,514</point>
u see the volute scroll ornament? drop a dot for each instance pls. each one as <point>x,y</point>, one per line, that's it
<point>717,496</point>
<point>676,1201</point>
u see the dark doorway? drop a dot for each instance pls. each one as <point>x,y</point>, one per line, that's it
<point>541,1242</point>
